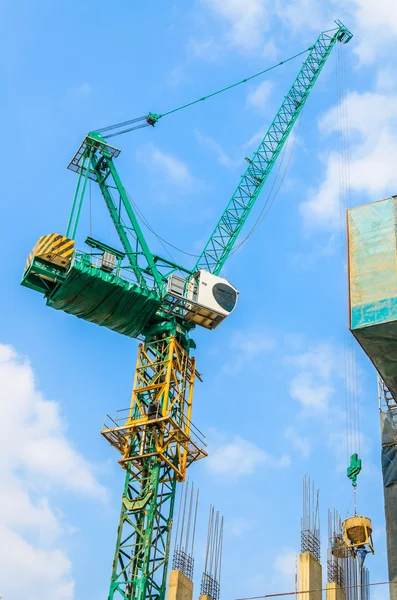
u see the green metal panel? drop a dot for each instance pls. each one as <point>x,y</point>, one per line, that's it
<point>105,299</point>
<point>373,284</point>
<point>372,263</point>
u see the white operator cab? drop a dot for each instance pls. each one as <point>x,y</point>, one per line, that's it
<point>206,298</point>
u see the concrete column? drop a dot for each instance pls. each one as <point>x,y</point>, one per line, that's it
<point>390,494</point>
<point>179,587</point>
<point>334,592</point>
<point>389,470</point>
<point>310,576</point>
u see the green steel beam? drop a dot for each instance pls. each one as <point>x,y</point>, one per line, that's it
<point>94,160</point>
<point>114,213</point>
<point>78,198</point>
<point>136,227</point>
<point>225,234</point>
<point>144,534</point>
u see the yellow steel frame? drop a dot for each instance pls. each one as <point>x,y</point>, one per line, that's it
<point>158,421</point>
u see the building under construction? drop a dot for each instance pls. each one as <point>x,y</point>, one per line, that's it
<point>372,259</point>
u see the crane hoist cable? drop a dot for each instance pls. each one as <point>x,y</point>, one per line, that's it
<point>268,202</point>
<point>153,118</point>
<point>271,197</point>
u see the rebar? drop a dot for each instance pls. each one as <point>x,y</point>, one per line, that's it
<point>310,522</point>
<point>211,578</point>
<point>337,551</point>
<point>183,559</point>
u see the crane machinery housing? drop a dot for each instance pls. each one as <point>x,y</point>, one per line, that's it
<point>142,295</point>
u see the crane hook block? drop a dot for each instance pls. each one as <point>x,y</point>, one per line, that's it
<point>354,468</point>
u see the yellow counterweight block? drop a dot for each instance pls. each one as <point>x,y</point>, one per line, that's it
<point>158,422</point>
<point>53,248</point>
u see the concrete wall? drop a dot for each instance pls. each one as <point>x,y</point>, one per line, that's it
<point>334,592</point>
<point>372,259</point>
<point>391,535</point>
<point>388,426</point>
<point>372,263</point>
<point>310,577</point>
<point>179,587</point>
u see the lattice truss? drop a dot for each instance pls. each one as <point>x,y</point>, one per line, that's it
<point>158,422</point>
<point>227,230</point>
<point>157,442</point>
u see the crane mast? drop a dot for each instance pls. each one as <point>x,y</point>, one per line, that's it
<point>129,291</point>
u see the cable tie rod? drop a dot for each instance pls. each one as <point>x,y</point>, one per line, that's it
<point>233,84</point>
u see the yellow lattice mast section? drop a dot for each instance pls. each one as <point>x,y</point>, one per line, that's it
<point>157,442</point>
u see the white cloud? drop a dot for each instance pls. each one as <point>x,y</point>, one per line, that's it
<point>386,79</point>
<point>372,118</point>
<point>281,575</point>
<point>35,457</point>
<point>313,384</point>
<point>258,97</point>
<point>376,23</point>
<point>285,565</point>
<point>210,143</point>
<point>247,20</point>
<point>321,360</point>
<point>84,89</point>
<point>207,49</point>
<point>239,526</point>
<point>254,140</point>
<point>245,347</point>
<point>306,389</point>
<point>300,15</point>
<point>241,457</point>
<point>328,246</point>
<point>301,444</point>
<point>174,169</point>
<point>174,77</point>
<point>343,445</point>
<point>32,572</point>
<point>270,50</point>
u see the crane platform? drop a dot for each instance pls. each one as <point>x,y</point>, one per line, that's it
<point>93,294</point>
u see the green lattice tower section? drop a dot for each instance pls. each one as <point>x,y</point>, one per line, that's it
<point>236,213</point>
<point>143,537</point>
<point>158,442</point>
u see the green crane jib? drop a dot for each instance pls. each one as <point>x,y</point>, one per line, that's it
<point>139,294</point>
<point>224,236</point>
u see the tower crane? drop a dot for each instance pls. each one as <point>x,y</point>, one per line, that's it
<point>142,295</point>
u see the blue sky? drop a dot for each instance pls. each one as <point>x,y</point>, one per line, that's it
<point>272,400</point>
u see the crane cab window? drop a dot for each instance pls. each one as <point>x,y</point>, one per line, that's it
<point>225,296</point>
